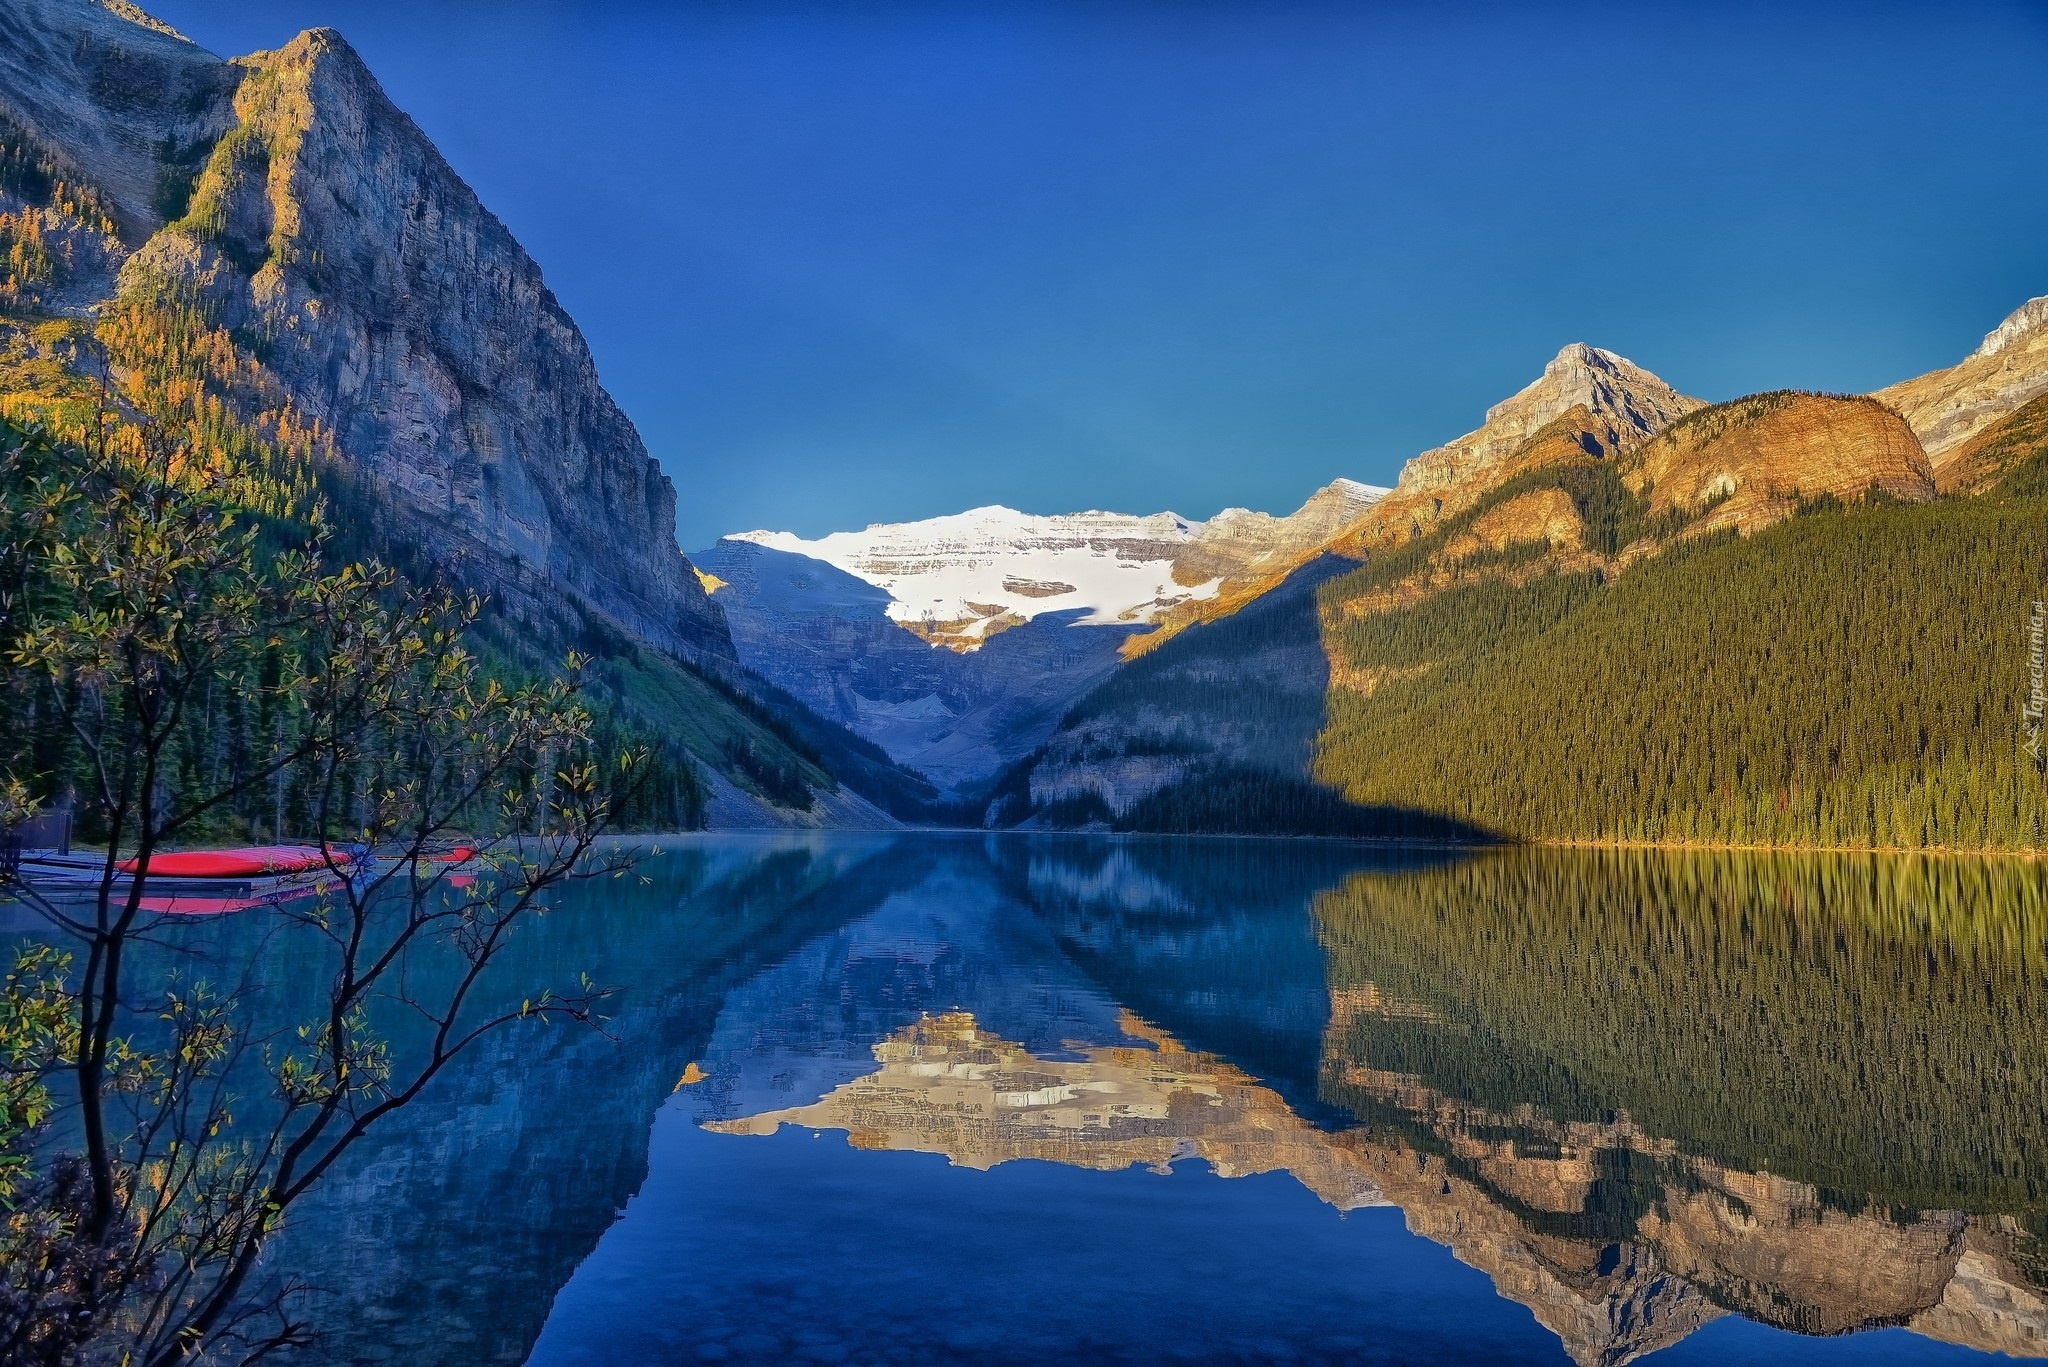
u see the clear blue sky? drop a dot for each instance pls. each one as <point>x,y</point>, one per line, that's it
<point>846,263</point>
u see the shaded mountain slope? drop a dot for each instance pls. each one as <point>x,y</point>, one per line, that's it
<point>826,637</point>
<point>1212,732</point>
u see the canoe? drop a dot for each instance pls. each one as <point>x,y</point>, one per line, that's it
<point>250,861</point>
<point>229,898</point>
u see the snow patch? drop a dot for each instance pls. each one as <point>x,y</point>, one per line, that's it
<point>1363,493</point>
<point>955,574</point>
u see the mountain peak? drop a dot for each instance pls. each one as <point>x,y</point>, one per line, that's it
<point>2028,317</point>
<point>1351,488</point>
<point>1629,404</point>
<point>134,14</point>
<point>1584,354</point>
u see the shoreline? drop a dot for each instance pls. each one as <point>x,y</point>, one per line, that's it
<point>1506,842</point>
<point>1725,847</point>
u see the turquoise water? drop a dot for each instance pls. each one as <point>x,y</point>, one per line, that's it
<point>954,1098</point>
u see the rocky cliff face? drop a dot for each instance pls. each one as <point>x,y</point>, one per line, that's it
<point>1626,406</point>
<point>113,99</point>
<point>1751,462</point>
<point>1587,402</point>
<point>281,203</point>
<point>1946,408</point>
<point>1980,464</point>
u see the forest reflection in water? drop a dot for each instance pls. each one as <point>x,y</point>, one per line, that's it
<point>1650,1088</point>
<point>1644,1094</point>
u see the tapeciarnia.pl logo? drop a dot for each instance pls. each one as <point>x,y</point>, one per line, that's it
<point>2035,702</point>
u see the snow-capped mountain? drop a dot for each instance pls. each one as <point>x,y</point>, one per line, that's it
<point>957,581</point>
<point>1032,612</point>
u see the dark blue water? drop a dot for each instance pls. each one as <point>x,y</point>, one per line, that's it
<point>954,1099</point>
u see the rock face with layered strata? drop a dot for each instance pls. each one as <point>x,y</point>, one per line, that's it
<point>1752,462</point>
<point>1978,465</point>
<point>285,199</point>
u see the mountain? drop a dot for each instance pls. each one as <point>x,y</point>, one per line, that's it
<point>1586,398</point>
<point>1947,408</point>
<point>1752,462</point>
<point>1755,625</point>
<point>958,581</point>
<point>1628,404</point>
<point>283,204</point>
<point>1266,698</point>
<point>1226,713</point>
<point>1586,402</point>
<point>1779,642</point>
<point>275,264</point>
<point>957,643</point>
<point>955,715</point>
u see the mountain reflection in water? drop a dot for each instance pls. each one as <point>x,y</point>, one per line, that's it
<point>1647,1096</point>
<point>946,1086</point>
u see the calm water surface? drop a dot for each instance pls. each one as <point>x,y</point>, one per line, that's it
<point>953,1098</point>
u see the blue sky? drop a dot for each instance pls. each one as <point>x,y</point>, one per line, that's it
<point>846,263</point>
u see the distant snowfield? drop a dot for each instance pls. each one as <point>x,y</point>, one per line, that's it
<point>963,576</point>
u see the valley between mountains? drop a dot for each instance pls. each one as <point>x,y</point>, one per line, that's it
<point>1611,612</point>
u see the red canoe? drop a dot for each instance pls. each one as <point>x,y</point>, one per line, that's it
<point>252,861</point>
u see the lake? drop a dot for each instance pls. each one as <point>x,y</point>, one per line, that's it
<point>953,1098</point>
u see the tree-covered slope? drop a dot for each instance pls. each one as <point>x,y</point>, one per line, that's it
<point>1849,677</point>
